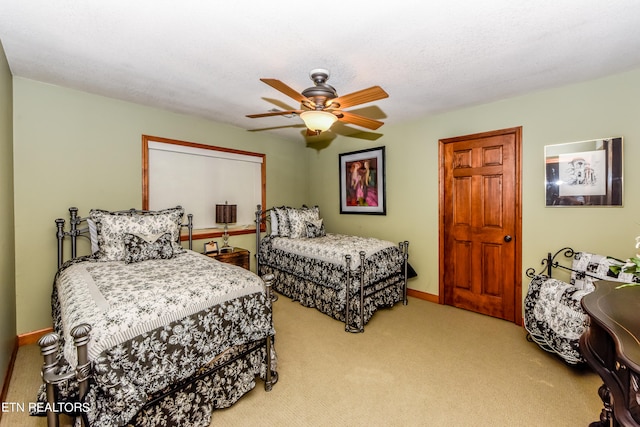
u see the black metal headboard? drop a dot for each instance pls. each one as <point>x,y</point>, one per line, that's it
<point>75,222</point>
<point>550,262</point>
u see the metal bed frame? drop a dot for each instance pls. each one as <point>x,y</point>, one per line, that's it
<point>81,333</point>
<point>263,217</point>
<point>550,262</point>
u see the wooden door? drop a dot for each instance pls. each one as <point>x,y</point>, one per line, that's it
<point>480,223</point>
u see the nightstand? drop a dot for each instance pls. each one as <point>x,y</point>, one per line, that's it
<point>238,256</point>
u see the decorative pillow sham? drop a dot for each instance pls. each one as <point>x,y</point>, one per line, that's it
<point>282,222</point>
<point>93,236</point>
<point>298,218</point>
<point>315,228</point>
<point>112,227</point>
<point>139,247</point>
<point>274,223</point>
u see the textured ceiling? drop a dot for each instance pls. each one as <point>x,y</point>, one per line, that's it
<point>205,58</point>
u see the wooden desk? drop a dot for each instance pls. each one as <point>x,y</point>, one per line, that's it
<point>611,346</point>
<point>238,257</point>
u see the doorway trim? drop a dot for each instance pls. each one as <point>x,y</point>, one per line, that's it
<point>517,131</point>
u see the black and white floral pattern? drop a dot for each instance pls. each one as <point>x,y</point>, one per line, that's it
<point>138,248</point>
<point>298,219</point>
<point>313,272</point>
<point>290,222</point>
<point>282,215</point>
<point>112,226</point>
<point>554,318</point>
<point>553,315</point>
<point>315,229</point>
<point>157,323</point>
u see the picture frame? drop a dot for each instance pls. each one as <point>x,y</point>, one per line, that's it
<point>362,182</point>
<point>584,173</point>
<point>211,248</point>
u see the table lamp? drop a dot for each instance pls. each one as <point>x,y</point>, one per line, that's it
<point>226,214</point>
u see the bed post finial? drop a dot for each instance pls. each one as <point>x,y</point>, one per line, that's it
<point>363,256</point>
<point>404,248</point>
<point>190,227</point>
<point>268,282</point>
<point>80,336</point>
<point>48,349</point>
<point>258,222</point>
<point>73,222</point>
<point>60,237</point>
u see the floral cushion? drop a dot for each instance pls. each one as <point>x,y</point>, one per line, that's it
<point>112,226</point>
<point>298,218</point>
<point>138,247</point>
<point>282,222</point>
<point>315,228</point>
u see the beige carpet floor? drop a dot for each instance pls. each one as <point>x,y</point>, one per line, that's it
<point>418,365</point>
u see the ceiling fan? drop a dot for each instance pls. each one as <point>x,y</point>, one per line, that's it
<point>320,105</point>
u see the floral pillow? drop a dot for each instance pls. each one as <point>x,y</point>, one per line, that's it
<point>138,247</point>
<point>112,227</point>
<point>274,223</point>
<point>315,229</point>
<point>298,219</point>
<point>282,222</point>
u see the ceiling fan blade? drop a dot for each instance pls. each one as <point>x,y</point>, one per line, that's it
<point>351,132</point>
<point>360,97</point>
<point>278,85</point>
<point>274,113</point>
<point>298,125</point>
<point>358,120</point>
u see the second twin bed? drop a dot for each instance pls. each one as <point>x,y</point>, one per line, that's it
<point>324,270</point>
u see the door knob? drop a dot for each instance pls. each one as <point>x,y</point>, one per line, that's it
<point>507,238</point>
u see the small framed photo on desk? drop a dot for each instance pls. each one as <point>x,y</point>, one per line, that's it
<point>211,248</point>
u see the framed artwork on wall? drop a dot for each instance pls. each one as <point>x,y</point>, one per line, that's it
<point>584,173</point>
<point>362,182</point>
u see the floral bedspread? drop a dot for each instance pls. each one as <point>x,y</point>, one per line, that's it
<point>154,323</point>
<point>313,272</point>
<point>322,259</point>
<point>332,248</point>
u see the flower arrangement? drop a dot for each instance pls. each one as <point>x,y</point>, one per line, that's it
<point>632,266</point>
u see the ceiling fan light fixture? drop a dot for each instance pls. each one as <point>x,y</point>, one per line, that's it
<point>318,120</point>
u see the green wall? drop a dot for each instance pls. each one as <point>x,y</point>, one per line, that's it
<point>602,108</point>
<point>77,149</point>
<point>7,271</point>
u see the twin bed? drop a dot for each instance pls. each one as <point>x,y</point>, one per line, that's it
<point>147,333</point>
<point>164,335</point>
<point>346,277</point>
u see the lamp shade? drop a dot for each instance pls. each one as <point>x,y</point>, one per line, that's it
<point>226,214</point>
<point>318,120</point>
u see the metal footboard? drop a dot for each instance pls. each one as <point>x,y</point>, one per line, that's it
<point>404,249</point>
<point>49,347</point>
<point>50,343</point>
<point>263,216</point>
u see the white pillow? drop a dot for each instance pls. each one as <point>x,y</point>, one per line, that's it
<point>274,223</point>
